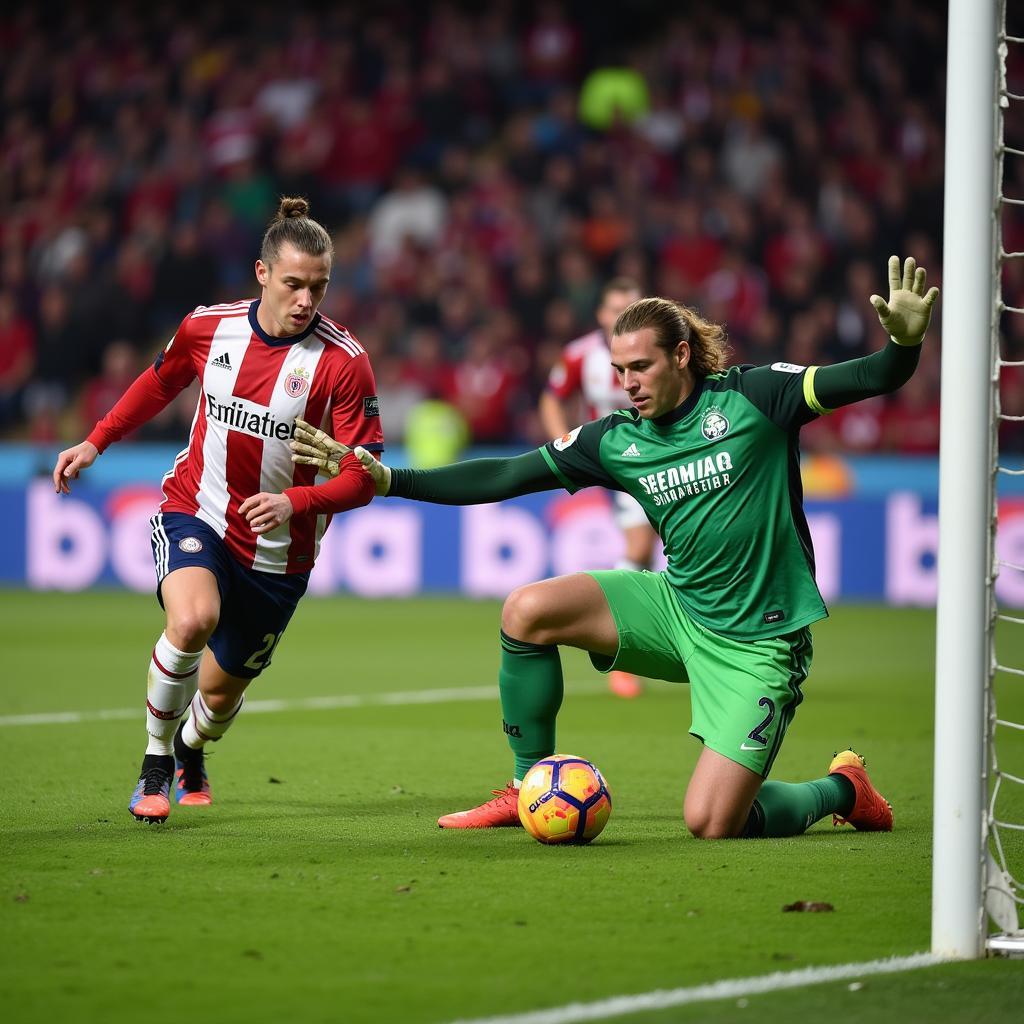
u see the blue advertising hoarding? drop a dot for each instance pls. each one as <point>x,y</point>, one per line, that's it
<point>875,541</point>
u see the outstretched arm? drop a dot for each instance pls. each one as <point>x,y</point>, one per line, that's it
<point>140,403</point>
<point>475,482</point>
<point>905,318</point>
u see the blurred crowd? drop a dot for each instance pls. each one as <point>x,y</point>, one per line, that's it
<point>483,169</point>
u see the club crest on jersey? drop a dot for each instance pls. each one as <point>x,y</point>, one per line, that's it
<point>714,424</point>
<point>296,384</point>
<point>190,545</point>
<point>566,439</point>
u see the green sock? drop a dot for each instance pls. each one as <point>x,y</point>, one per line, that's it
<point>790,808</point>
<point>530,681</point>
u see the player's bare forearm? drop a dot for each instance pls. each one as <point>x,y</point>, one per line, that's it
<point>476,482</point>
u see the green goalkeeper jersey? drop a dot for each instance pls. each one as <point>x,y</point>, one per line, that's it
<point>719,479</point>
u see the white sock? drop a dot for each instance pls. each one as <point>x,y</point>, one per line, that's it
<point>203,725</point>
<point>173,678</point>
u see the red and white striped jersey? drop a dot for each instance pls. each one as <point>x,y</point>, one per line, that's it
<point>585,368</point>
<point>253,387</point>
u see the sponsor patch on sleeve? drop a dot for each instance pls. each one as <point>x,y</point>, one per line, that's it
<point>566,439</point>
<point>788,367</point>
<point>371,406</point>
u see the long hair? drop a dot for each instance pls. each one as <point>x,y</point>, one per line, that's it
<point>293,224</point>
<point>672,322</point>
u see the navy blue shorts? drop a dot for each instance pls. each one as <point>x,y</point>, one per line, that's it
<point>255,607</point>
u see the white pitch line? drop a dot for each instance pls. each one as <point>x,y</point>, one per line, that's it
<point>732,988</point>
<point>352,700</point>
<point>396,698</point>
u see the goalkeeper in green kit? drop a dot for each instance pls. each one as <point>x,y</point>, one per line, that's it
<point>711,453</point>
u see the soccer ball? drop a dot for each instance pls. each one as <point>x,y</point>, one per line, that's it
<point>564,799</point>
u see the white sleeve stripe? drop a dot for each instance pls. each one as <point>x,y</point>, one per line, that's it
<point>340,337</point>
<point>352,349</point>
<point>224,311</point>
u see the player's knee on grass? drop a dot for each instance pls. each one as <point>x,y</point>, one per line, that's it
<point>712,828</point>
<point>705,820</point>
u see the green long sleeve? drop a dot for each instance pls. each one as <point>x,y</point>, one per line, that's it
<point>475,482</point>
<point>877,374</point>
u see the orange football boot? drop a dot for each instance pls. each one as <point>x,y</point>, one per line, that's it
<point>501,812</point>
<point>871,812</point>
<point>150,801</point>
<point>191,786</point>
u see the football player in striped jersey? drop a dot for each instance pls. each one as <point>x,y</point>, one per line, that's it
<point>240,525</point>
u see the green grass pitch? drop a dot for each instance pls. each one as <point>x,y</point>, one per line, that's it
<point>318,887</point>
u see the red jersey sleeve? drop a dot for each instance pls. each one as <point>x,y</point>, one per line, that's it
<point>566,376</point>
<point>352,488</point>
<point>355,409</point>
<point>151,391</point>
<point>355,421</point>
<point>176,365</point>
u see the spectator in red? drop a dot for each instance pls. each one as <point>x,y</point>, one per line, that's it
<point>910,423</point>
<point>363,154</point>
<point>99,395</point>
<point>1011,407</point>
<point>799,244</point>
<point>853,432</point>
<point>735,294</point>
<point>17,358</point>
<point>485,385</point>
<point>551,48</point>
<point>426,366</point>
<point>690,249</point>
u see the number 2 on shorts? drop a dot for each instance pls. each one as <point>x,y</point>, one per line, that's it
<point>756,733</point>
<point>260,658</point>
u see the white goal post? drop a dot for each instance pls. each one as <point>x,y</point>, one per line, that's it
<point>967,883</point>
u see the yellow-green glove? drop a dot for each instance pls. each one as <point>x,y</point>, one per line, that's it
<point>312,447</point>
<point>908,312</point>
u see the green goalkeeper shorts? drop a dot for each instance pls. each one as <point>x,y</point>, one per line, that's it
<point>743,693</point>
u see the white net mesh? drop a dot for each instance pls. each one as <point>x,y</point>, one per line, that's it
<point>1004,704</point>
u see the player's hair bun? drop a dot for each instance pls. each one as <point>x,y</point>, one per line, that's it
<point>293,224</point>
<point>292,206</point>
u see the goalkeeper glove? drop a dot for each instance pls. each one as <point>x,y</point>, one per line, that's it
<point>906,315</point>
<point>312,447</point>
